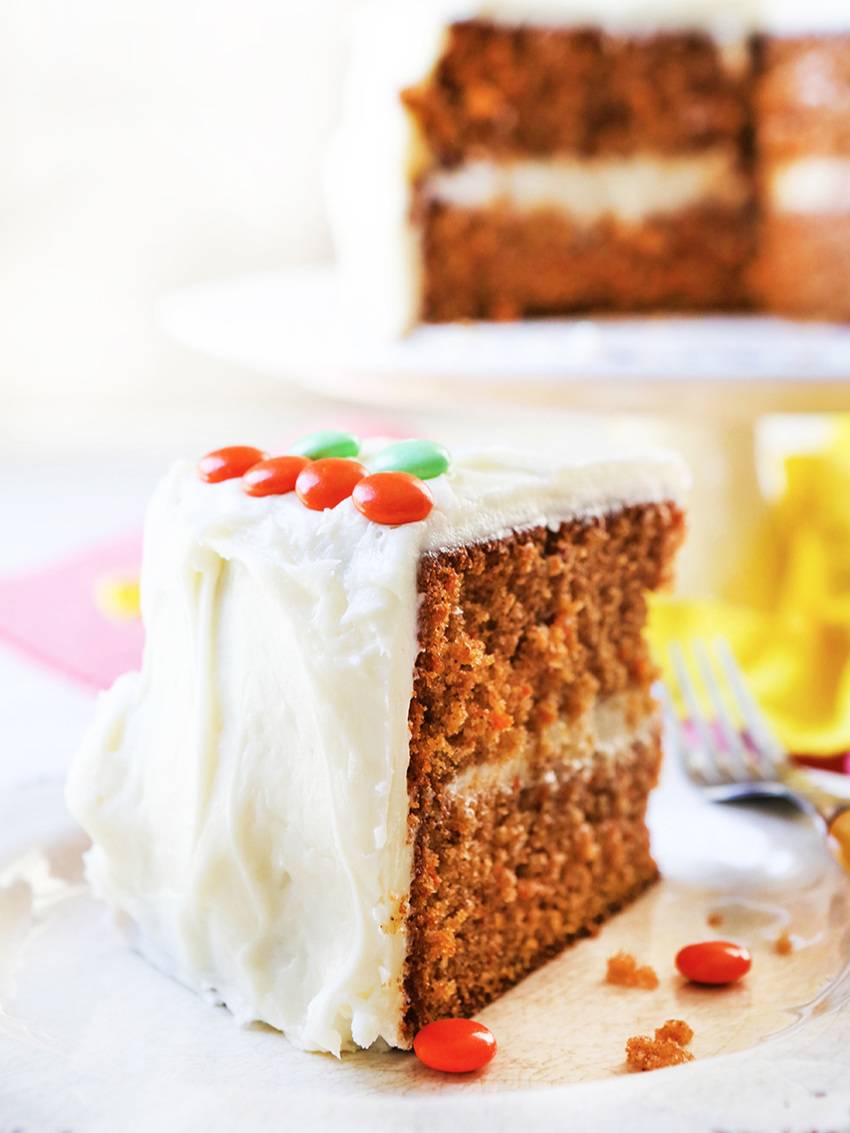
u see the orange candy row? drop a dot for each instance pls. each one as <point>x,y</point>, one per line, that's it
<point>389,498</point>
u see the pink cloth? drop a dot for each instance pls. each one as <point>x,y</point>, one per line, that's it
<point>51,614</point>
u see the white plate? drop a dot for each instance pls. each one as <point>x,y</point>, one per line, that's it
<point>294,324</point>
<point>93,1039</point>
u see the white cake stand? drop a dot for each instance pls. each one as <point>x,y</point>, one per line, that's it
<point>710,378</point>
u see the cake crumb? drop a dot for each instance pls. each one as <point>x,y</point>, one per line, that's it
<point>644,1053</point>
<point>624,971</point>
<point>715,920</point>
<point>676,1030</point>
<point>783,944</point>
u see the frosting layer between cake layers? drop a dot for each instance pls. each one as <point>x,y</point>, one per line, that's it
<point>629,189</point>
<point>246,792</point>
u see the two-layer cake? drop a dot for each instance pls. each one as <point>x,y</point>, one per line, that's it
<point>372,774</point>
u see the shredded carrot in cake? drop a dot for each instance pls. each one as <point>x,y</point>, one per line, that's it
<point>624,971</point>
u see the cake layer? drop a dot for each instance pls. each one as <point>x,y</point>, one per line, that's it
<point>498,263</point>
<point>523,90</point>
<point>803,266</point>
<point>506,877</point>
<point>803,97</point>
<point>522,634</point>
<point>628,189</point>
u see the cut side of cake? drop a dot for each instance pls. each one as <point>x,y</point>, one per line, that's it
<point>521,159</point>
<point>373,775</point>
<point>534,745</point>
<point>568,170</point>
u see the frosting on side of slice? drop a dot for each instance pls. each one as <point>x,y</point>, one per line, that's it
<point>246,792</point>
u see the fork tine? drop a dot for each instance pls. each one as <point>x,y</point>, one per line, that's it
<point>683,749</point>
<point>710,756</point>
<point>767,750</point>
<point>735,760</point>
<point>736,716</point>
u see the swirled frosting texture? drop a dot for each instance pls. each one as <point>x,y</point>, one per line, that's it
<point>246,792</point>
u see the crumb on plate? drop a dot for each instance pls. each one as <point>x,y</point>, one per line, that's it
<point>715,920</point>
<point>624,971</point>
<point>783,944</point>
<point>675,1029</point>
<point>644,1053</point>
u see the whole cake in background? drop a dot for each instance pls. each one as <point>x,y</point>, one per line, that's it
<point>524,158</point>
<point>377,767</point>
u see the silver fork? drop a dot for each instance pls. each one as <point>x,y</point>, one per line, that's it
<point>733,753</point>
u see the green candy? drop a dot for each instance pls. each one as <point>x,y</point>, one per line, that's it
<point>424,459</point>
<point>326,442</point>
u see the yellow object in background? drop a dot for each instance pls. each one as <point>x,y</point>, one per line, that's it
<point>788,622</point>
<point>118,598</point>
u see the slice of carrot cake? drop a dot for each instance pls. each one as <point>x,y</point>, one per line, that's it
<point>379,765</point>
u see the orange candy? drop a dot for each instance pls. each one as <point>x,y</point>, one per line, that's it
<point>325,483</point>
<point>228,463</point>
<point>455,1045</point>
<point>392,498</point>
<point>275,476</point>
<point>714,962</point>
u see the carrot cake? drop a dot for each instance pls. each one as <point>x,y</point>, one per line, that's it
<point>523,158</point>
<point>373,772</point>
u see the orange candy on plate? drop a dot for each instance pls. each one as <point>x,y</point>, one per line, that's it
<point>713,962</point>
<point>455,1045</point>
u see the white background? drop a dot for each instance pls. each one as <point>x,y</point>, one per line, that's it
<point>145,146</point>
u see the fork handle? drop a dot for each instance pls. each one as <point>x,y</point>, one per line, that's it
<point>839,835</point>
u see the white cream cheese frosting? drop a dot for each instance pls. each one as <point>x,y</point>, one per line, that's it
<point>722,19</point>
<point>246,792</point>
